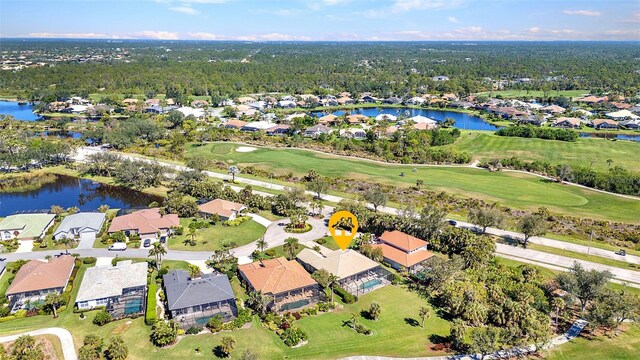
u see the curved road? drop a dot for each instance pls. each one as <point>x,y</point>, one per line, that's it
<point>68,349</point>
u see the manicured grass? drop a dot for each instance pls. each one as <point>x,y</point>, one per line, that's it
<point>4,281</point>
<point>485,146</point>
<point>622,347</point>
<point>522,191</point>
<point>269,215</point>
<point>537,93</point>
<point>217,235</point>
<point>332,244</point>
<point>586,257</point>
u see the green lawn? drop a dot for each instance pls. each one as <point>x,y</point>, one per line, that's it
<point>4,281</point>
<point>485,146</point>
<point>522,191</point>
<point>214,237</point>
<point>537,93</point>
<point>620,347</point>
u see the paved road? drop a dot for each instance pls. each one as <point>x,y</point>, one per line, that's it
<point>68,349</point>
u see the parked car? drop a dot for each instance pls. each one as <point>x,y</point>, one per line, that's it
<point>146,243</point>
<point>119,246</point>
<point>621,252</point>
<point>453,222</point>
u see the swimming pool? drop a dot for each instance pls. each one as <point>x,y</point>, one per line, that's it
<point>294,305</point>
<point>371,283</point>
<point>133,306</point>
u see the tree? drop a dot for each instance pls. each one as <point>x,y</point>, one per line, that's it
<point>103,208</point>
<point>157,250</point>
<point>612,307</point>
<point>223,261</point>
<point>582,284</point>
<point>564,172</point>
<point>419,183</point>
<point>52,301</point>
<point>102,318</point>
<point>424,314</point>
<point>117,349</point>
<point>558,305</point>
<point>258,301</point>
<point>485,217</point>
<point>91,348</point>
<point>67,242</point>
<point>56,210</point>
<point>233,170</point>
<point>194,271</point>
<point>199,162</point>
<point>227,345</point>
<point>316,207</point>
<point>26,348</point>
<point>353,320</point>
<point>430,221</point>
<point>531,225</point>
<point>374,311</point>
<point>376,197</point>
<point>164,333</point>
<point>290,247</point>
<point>458,332</point>
<point>318,186</point>
<point>486,340</point>
<point>262,244</point>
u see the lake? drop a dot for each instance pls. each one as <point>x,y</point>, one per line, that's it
<point>629,137</point>
<point>68,191</point>
<point>462,120</point>
<point>19,112</point>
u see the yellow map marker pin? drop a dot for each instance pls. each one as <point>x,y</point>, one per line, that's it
<point>343,226</point>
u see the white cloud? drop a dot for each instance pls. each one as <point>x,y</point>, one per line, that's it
<point>534,29</point>
<point>205,1</point>
<point>158,35</point>
<point>564,31</point>
<point>188,10</point>
<point>70,35</point>
<point>272,37</point>
<point>204,36</point>
<point>583,12</point>
<point>408,5</point>
<point>452,19</point>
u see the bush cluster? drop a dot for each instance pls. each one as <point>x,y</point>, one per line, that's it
<point>237,221</point>
<point>344,295</point>
<point>528,131</point>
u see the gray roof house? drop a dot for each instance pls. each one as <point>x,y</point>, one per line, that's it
<point>121,289</point>
<point>85,225</point>
<point>192,302</point>
<point>316,130</point>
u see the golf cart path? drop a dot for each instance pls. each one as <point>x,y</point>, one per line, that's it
<point>68,349</point>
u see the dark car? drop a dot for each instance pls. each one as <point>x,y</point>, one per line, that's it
<point>453,222</point>
<point>147,243</point>
<point>621,252</point>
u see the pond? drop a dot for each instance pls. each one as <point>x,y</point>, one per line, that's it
<point>19,111</point>
<point>68,191</point>
<point>462,120</point>
<point>629,137</point>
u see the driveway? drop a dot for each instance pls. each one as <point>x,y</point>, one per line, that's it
<point>25,246</point>
<point>68,349</point>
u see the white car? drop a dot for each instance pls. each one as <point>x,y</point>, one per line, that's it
<point>119,246</point>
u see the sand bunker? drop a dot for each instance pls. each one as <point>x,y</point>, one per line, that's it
<point>245,149</point>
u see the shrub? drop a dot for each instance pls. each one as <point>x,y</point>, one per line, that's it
<point>164,333</point>
<point>215,323</point>
<point>325,306</point>
<point>150,314</point>
<point>361,329</point>
<point>179,230</point>
<point>89,260</point>
<point>293,336</point>
<point>193,330</point>
<point>321,241</point>
<point>237,221</point>
<point>344,295</point>
<point>102,318</point>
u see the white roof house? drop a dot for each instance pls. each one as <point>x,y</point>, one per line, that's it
<point>86,225</point>
<point>341,263</point>
<point>197,113</point>
<point>386,117</point>
<point>622,114</point>
<point>419,119</point>
<point>105,282</point>
<point>257,126</point>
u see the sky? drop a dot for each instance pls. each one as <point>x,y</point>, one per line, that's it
<point>322,20</point>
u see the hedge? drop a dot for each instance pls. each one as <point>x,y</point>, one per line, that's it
<point>150,314</point>
<point>344,295</point>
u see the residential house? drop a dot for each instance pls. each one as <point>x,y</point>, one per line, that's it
<point>622,115</point>
<point>419,119</point>
<point>317,130</point>
<point>631,124</point>
<point>289,98</point>
<point>533,120</point>
<point>424,126</point>
<point>25,226</point>
<point>386,117</point>
<point>356,119</point>
<point>415,101</point>
<point>148,224</point>
<point>344,100</point>
<point>192,302</point>
<point>368,99</point>
<point>392,100</point>
<point>278,130</point>
<point>450,97</point>
<point>121,289</point>
<point>245,99</point>
<point>37,278</point>
<point>226,210</point>
<point>604,124</point>
<point>83,226</point>
<point>403,251</point>
<point>199,103</point>
<point>129,101</point>
<point>286,282</point>
<point>288,104</point>
<point>234,124</point>
<point>553,109</point>
<point>356,273</point>
<point>593,99</point>
<point>567,122</point>
<point>199,114</point>
<point>329,119</point>
<point>353,133</point>
<point>289,118</point>
<point>461,104</point>
<point>257,126</point>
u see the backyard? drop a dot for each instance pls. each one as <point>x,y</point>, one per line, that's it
<point>216,236</point>
<point>516,190</point>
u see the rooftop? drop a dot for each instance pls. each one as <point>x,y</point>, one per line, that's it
<point>183,292</point>
<point>40,275</point>
<point>144,221</point>
<point>101,282</point>
<point>403,258</point>
<point>221,207</point>
<point>341,263</point>
<point>81,221</point>
<point>276,275</point>
<point>32,225</point>
<point>402,241</point>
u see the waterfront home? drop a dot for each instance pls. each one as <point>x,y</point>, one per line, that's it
<point>25,226</point>
<point>356,119</point>
<point>317,130</point>
<point>257,126</point>
<point>192,302</point>
<point>533,120</point>
<point>148,224</point>
<point>285,282</point>
<point>287,104</point>
<point>356,273</point>
<point>368,99</point>
<point>553,109</point>
<point>386,117</point>
<point>462,104</point>
<point>84,226</point>
<point>353,133</point>
<point>415,101</point>
<point>36,279</point>
<point>604,124</point>
<point>567,123</point>
<point>344,100</point>
<point>403,251</point>
<point>329,119</point>
<point>289,118</point>
<point>234,124</point>
<point>631,124</point>
<point>226,210</point>
<point>278,130</point>
<point>419,119</point>
<point>392,100</point>
<point>622,115</point>
<point>120,289</point>
<point>425,126</point>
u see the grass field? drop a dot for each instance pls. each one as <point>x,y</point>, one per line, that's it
<point>536,93</point>
<point>217,235</point>
<point>485,146</point>
<point>522,191</point>
<point>626,346</point>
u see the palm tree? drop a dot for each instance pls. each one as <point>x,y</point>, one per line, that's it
<point>192,236</point>
<point>194,270</point>
<point>558,305</point>
<point>51,301</point>
<point>157,250</point>
<point>228,345</point>
<point>424,314</point>
<point>258,302</point>
<point>261,244</point>
<point>290,247</point>
<point>353,320</point>
<point>332,281</point>
<point>609,162</point>
<point>233,170</point>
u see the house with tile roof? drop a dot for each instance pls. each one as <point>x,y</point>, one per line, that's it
<point>357,273</point>
<point>121,289</point>
<point>403,251</point>
<point>25,226</point>
<point>226,210</point>
<point>37,278</point>
<point>286,282</point>
<point>193,301</point>
<point>147,223</point>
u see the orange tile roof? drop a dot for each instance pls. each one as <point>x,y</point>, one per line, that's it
<point>402,241</point>
<point>144,221</point>
<point>221,207</point>
<point>39,275</point>
<point>356,118</point>
<point>403,258</point>
<point>276,276</point>
<point>235,123</point>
